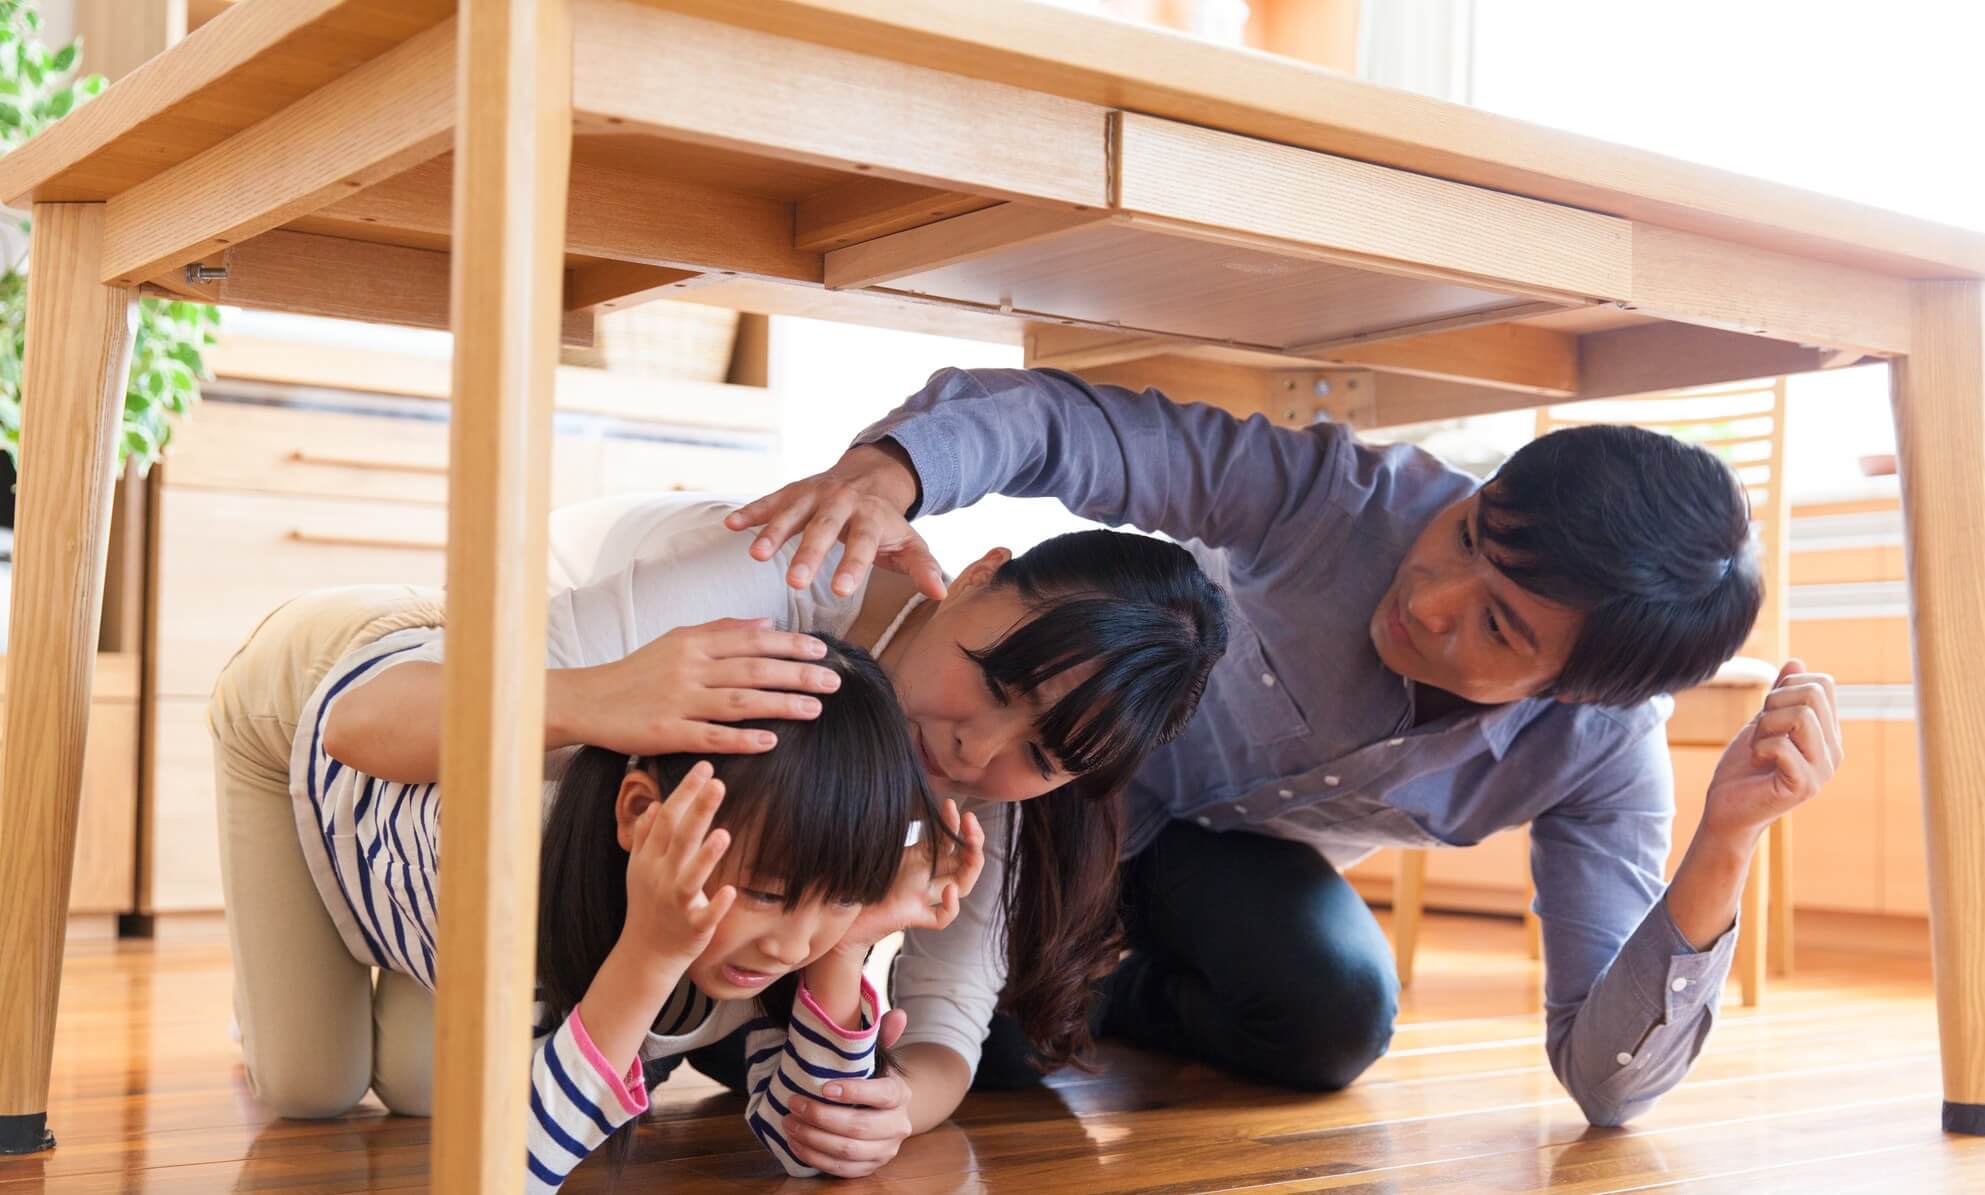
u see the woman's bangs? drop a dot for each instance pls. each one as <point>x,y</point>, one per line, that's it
<point>1106,724</point>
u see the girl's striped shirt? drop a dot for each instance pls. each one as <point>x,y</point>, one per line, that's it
<point>373,846</point>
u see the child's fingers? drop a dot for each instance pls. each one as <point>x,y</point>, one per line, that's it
<point>972,861</point>
<point>695,870</point>
<point>947,910</point>
<point>647,832</point>
<point>703,920</point>
<point>692,827</point>
<point>684,793</point>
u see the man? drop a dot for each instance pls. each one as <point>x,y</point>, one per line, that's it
<point>1416,660</point>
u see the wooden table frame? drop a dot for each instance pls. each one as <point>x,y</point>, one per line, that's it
<point>1270,235</point>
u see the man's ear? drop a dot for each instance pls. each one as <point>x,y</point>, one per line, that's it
<point>979,574</point>
<point>638,790</point>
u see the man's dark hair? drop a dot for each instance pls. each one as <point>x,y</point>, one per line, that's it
<point>1649,537</point>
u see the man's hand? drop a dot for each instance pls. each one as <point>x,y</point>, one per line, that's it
<point>1781,759</point>
<point>860,502</point>
<point>1776,763</point>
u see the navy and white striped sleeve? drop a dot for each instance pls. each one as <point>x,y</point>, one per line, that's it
<point>799,1058</point>
<point>578,1099</point>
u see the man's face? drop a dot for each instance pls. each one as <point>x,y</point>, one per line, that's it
<point>1452,620</point>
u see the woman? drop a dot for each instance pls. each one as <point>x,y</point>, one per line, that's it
<point>1058,670</point>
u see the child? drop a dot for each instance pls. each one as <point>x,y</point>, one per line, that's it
<point>664,922</point>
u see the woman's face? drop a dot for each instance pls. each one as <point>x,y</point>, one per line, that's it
<point>976,740</point>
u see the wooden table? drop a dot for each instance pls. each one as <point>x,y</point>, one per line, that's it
<point>1275,236</point>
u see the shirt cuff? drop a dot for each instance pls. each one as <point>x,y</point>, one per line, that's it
<point>630,1090</point>
<point>933,457</point>
<point>870,1012</point>
<point>1677,978</point>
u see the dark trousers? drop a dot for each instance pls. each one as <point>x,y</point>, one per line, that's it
<point>1248,953</point>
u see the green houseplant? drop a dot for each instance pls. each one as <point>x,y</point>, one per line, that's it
<point>37,88</point>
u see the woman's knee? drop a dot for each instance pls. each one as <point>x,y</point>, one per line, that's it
<point>403,1045</point>
<point>308,1089</point>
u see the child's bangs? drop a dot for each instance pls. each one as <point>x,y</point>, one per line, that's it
<point>822,815</point>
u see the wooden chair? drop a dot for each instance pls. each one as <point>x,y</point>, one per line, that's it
<point>1745,425</point>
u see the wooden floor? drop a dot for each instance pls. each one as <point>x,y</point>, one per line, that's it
<point>1832,1087</point>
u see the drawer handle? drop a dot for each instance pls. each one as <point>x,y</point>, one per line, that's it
<point>300,457</point>
<point>361,541</point>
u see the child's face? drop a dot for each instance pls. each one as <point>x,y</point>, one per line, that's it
<point>759,940</point>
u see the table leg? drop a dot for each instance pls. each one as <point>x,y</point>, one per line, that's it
<point>1409,901</point>
<point>1779,842</point>
<point>513,144</point>
<point>1754,925</point>
<point>1939,401</point>
<point>78,360</point>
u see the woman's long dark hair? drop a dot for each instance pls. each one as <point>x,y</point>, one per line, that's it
<point>822,815</point>
<point>1153,624</point>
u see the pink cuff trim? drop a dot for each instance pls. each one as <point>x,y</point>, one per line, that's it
<point>869,1000</point>
<point>632,1091</point>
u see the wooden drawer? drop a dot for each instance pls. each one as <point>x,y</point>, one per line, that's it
<point>1905,865</point>
<point>635,466</point>
<point>290,450</point>
<point>226,559</point>
<point>184,852</point>
<point>107,822</point>
<point>334,454</point>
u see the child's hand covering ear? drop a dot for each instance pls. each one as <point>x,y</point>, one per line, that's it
<point>927,891</point>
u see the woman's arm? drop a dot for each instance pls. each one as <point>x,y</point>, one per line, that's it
<point>667,696</point>
<point>938,1080</point>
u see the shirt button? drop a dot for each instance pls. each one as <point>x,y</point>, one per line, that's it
<point>1623,1058</point>
<point>1241,809</point>
<point>1331,781</point>
<point>1680,985</point>
<point>1285,793</point>
<point>1268,678</point>
<point>1204,821</point>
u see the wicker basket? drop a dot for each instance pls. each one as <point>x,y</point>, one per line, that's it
<point>662,339</point>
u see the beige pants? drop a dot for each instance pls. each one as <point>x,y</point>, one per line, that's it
<point>317,1030</point>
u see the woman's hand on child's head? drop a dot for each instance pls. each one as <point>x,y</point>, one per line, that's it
<point>669,917</point>
<point>673,694</point>
<point>923,896</point>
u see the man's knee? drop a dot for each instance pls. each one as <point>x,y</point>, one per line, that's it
<point>1339,1045</point>
<point>1328,1019</point>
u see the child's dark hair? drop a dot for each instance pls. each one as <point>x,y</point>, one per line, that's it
<point>1143,612</point>
<point>1648,536</point>
<point>822,815</point>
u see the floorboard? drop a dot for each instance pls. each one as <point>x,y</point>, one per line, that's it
<point>1831,1086</point>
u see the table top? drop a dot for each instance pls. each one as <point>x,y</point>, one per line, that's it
<point>975,168</point>
<point>262,55</point>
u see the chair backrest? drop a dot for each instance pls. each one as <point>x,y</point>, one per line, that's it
<point>1744,425</point>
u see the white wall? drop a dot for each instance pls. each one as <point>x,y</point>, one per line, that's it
<point>835,379</point>
<point>1878,103</point>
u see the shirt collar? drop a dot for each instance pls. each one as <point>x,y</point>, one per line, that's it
<point>1497,724</point>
